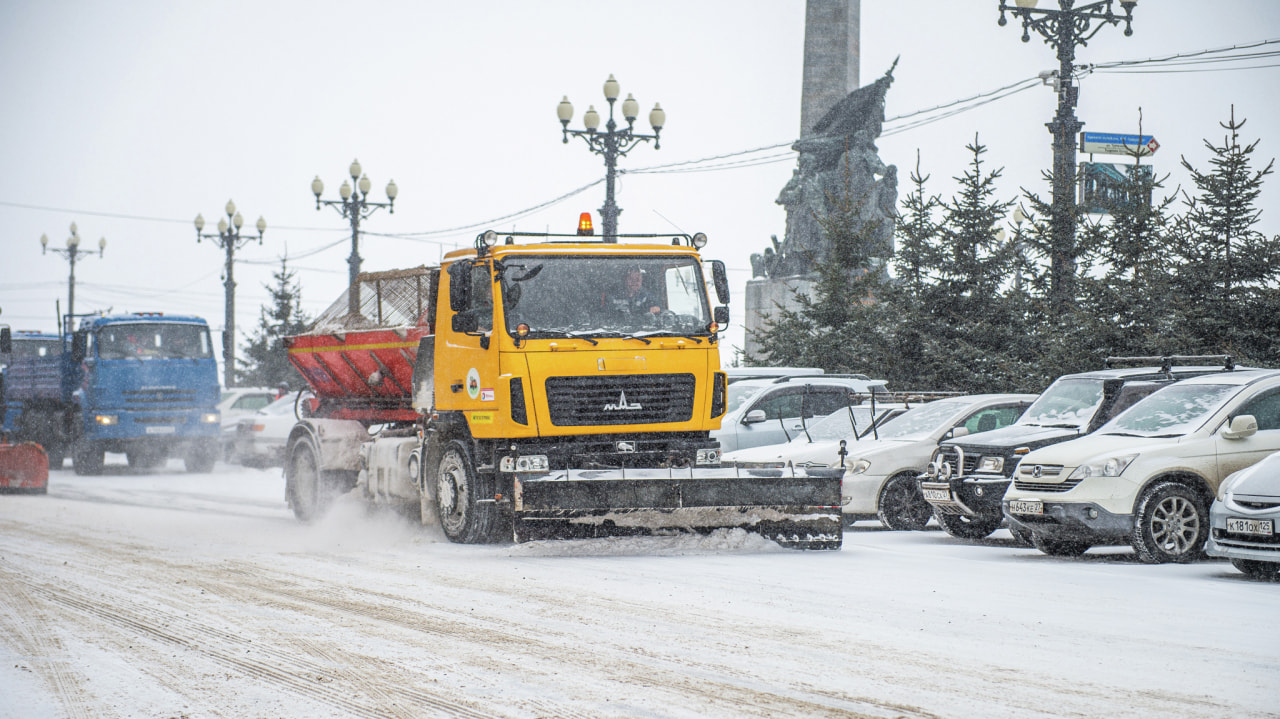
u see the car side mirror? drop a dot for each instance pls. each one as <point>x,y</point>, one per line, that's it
<point>79,346</point>
<point>1240,426</point>
<point>6,341</point>
<point>755,416</point>
<point>957,432</point>
<point>459,286</point>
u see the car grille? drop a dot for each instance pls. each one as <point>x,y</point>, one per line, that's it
<point>1030,486</point>
<point>159,397</point>
<point>620,399</point>
<point>948,454</point>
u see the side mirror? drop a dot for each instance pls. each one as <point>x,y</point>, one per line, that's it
<point>957,432</point>
<point>721,315</point>
<point>79,345</point>
<point>423,373</point>
<point>721,281</point>
<point>459,286</point>
<point>6,341</point>
<point>755,416</point>
<point>1240,426</point>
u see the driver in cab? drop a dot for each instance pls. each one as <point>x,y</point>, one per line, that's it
<point>633,299</point>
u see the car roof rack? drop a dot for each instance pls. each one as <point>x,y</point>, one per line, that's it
<point>1167,362</point>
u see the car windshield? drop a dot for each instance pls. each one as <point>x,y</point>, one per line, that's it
<point>840,424</point>
<point>739,394</point>
<point>153,340</point>
<point>921,420</point>
<point>1172,411</point>
<point>588,296</point>
<point>1067,403</point>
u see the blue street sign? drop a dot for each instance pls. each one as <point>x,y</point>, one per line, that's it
<point>1111,143</point>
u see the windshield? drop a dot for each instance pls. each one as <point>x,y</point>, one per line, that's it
<point>739,394</point>
<point>153,340</point>
<point>593,295</point>
<point>920,420</point>
<point>839,424</point>
<point>33,347</point>
<point>1172,411</point>
<point>1067,403</point>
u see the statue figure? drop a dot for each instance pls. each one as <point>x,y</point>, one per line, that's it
<point>839,157</point>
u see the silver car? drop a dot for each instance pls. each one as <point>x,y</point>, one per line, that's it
<point>1244,519</point>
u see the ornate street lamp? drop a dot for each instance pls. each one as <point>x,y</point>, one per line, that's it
<point>1064,29</point>
<point>228,238</point>
<point>355,206</point>
<point>612,143</point>
<point>71,253</point>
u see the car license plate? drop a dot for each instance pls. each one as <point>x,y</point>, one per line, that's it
<point>1025,507</point>
<point>160,430</point>
<point>940,495</point>
<point>1238,525</point>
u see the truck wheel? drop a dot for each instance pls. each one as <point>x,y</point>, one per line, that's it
<point>901,506</point>
<point>86,458</point>
<point>1170,524</point>
<point>57,454</point>
<point>309,493</point>
<point>200,458</point>
<point>1059,547</point>
<point>463,517</point>
<point>962,527</point>
<point>1258,570</point>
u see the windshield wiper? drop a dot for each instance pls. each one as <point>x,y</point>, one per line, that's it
<point>1062,426</point>
<point>664,333</point>
<point>580,336</point>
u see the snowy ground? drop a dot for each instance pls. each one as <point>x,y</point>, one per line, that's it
<point>167,595</point>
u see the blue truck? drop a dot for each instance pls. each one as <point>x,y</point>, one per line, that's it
<point>142,384</point>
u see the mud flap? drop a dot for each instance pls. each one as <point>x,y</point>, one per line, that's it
<point>795,507</point>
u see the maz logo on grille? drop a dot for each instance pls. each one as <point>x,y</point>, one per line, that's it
<point>622,404</point>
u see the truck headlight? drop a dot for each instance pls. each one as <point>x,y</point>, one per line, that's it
<point>106,420</point>
<point>1103,467</point>
<point>211,418</point>
<point>708,456</point>
<point>991,464</point>
<point>525,463</point>
<point>859,466</point>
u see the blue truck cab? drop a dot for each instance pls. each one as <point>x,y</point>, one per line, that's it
<point>142,384</point>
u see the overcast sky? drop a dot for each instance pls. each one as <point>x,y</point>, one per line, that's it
<point>131,118</point>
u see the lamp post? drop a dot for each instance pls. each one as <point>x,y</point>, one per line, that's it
<point>612,143</point>
<point>228,238</point>
<point>355,206</point>
<point>71,253</point>
<point>1019,246</point>
<point>1064,29</point>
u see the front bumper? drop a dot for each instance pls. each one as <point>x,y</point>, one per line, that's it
<point>970,496</point>
<point>1079,521</point>
<point>1259,548</point>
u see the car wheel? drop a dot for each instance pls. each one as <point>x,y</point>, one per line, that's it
<point>1170,524</point>
<point>962,527</point>
<point>1258,570</point>
<point>463,517</point>
<point>901,506</point>
<point>1059,547</point>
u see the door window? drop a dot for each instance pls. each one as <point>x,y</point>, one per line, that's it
<point>1265,408</point>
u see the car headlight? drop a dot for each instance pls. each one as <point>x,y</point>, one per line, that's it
<point>106,420</point>
<point>991,464</point>
<point>1103,467</point>
<point>859,466</point>
<point>211,418</point>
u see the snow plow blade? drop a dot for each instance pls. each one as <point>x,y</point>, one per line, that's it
<point>24,467</point>
<point>796,508</point>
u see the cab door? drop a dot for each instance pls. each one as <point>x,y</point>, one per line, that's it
<point>466,368</point>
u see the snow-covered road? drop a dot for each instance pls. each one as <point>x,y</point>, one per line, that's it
<point>171,595</point>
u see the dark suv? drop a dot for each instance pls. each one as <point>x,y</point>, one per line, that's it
<point>968,476</point>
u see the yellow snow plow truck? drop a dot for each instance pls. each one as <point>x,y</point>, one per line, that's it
<point>536,387</point>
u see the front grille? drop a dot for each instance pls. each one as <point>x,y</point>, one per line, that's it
<point>1029,486</point>
<point>1254,541</point>
<point>970,463</point>
<point>1046,470</point>
<point>159,397</point>
<point>620,399</point>
<point>163,419</point>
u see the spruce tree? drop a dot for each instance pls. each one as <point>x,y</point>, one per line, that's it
<point>265,362</point>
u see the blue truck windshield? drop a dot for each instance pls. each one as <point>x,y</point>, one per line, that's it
<point>153,340</point>
<point>593,295</point>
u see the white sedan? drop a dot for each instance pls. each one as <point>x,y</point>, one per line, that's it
<point>260,438</point>
<point>882,466</point>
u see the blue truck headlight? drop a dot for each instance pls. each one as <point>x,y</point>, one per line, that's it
<point>106,420</point>
<point>211,418</point>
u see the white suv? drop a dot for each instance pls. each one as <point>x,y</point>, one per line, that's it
<point>1148,476</point>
